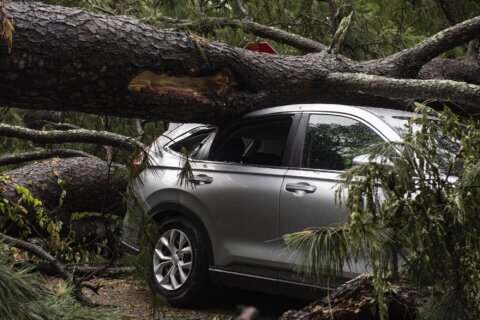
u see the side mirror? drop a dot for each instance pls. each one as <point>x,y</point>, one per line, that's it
<point>365,159</point>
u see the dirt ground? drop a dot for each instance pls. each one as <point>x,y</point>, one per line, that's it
<point>133,301</point>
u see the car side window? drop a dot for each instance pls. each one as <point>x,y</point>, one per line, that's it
<point>192,142</point>
<point>254,142</point>
<point>331,142</point>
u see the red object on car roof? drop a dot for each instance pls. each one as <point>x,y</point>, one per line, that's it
<point>264,47</point>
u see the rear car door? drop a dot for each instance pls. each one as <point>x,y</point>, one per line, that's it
<point>239,184</point>
<point>325,147</point>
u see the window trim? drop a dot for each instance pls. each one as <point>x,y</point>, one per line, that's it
<point>224,132</point>
<point>299,143</point>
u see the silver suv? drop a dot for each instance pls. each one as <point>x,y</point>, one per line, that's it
<point>269,173</point>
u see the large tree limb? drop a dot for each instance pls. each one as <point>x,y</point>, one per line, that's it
<point>75,135</point>
<point>407,63</point>
<point>41,155</point>
<point>70,59</point>
<point>441,90</point>
<point>87,184</point>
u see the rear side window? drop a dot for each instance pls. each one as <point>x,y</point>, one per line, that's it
<point>259,142</point>
<point>191,142</point>
<point>332,142</point>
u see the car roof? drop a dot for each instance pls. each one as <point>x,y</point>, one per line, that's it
<point>339,108</point>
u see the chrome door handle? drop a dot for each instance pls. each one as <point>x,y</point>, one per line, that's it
<point>202,179</point>
<point>301,186</point>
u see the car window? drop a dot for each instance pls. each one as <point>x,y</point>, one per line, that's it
<point>259,142</point>
<point>331,142</point>
<point>191,142</point>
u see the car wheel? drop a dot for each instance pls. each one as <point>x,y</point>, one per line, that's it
<point>179,264</point>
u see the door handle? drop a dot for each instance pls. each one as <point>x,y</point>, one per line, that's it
<point>202,179</point>
<point>301,186</point>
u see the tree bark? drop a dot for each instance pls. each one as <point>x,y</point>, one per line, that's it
<point>41,155</point>
<point>355,300</point>
<point>74,135</point>
<point>90,185</point>
<point>70,59</point>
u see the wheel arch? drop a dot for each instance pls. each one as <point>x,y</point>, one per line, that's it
<point>174,209</point>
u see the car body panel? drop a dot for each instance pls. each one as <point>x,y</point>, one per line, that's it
<point>246,209</point>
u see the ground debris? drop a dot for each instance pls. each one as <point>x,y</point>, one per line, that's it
<point>355,301</point>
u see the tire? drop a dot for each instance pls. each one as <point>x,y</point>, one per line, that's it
<point>182,275</point>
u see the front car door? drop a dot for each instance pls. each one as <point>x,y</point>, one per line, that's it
<point>325,146</point>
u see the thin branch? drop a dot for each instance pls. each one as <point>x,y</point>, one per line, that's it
<point>94,6</point>
<point>76,135</point>
<point>473,51</point>
<point>208,24</point>
<point>106,271</point>
<point>140,126</point>
<point>39,252</point>
<point>334,16</point>
<point>448,11</point>
<point>60,125</point>
<point>239,8</point>
<point>215,7</point>
<point>41,155</point>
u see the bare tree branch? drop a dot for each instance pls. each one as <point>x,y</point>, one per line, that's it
<point>60,125</point>
<point>39,252</point>
<point>407,63</point>
<point>139,125</point>
<point>441,90</point>
<point>473,51</point>
<point>76,135</point>
<point>448,11</point>
<point>41,155</point>
<point>208,24</point>
<point>215,7</point>
<point>59,267</point>
<point>239,7</point>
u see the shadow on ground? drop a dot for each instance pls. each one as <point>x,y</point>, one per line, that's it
<point>132,301</point>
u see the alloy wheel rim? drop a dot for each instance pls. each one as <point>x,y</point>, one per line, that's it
<point>172,259</point>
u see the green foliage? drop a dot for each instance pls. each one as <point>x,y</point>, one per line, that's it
<point>147,238</point>
<point>379,28</point>
<point>15,213</point>
<point>25,296</point>
<point>410,217</point>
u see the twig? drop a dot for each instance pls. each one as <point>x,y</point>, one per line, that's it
<point>57,265</point>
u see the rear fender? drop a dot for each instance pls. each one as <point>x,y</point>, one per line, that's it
<point>162,210</point>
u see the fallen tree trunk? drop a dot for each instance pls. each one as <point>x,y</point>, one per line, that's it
<point>41,155</point>
<point>77,184</point>
<point>70,59</point>
<point>355,300</point>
